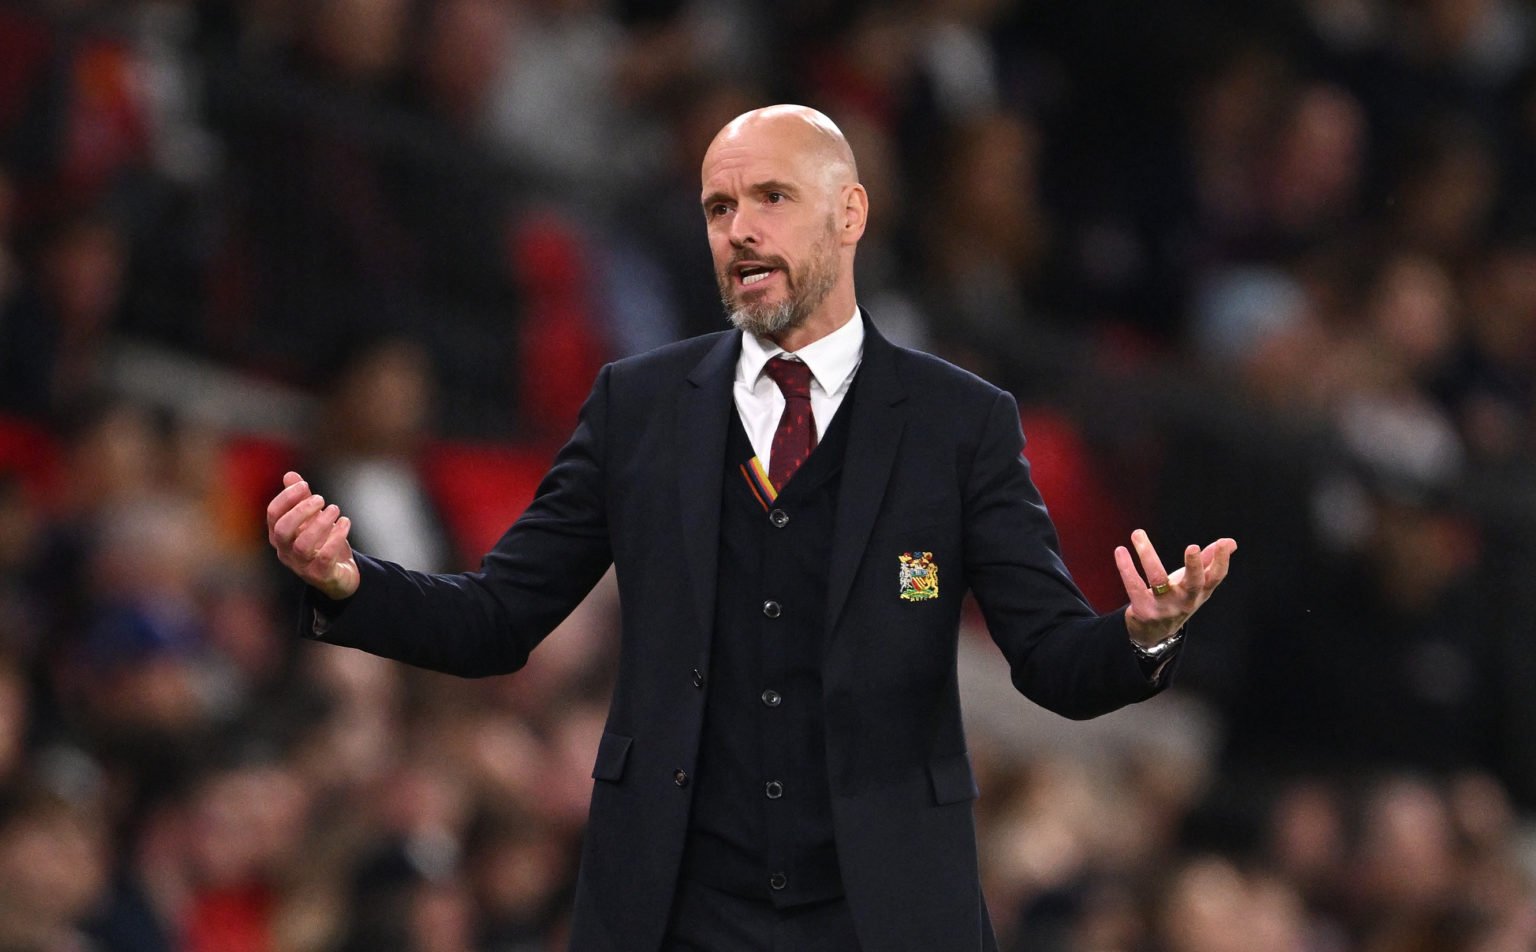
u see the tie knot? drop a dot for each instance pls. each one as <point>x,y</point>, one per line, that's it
<point>792,376</point>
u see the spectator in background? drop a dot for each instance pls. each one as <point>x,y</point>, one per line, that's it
<point>1312,171</point>
<point>1445,189</point>
<point>369,443</point>
<point>1489,384</point>
<point>1212,906</point>
<point>1332,197</point>
<point>109,466</point>
<point>1421,618</point>
<point>989,238</point>
<point>53,866</point>
<point>1426,875</point>
<point>74,129</point>
<point>138,678</point>
<point>246,831</point>
<point>54,331</point>
<point>520,870</point>
<point>568,107</point>
<point>315,237</point>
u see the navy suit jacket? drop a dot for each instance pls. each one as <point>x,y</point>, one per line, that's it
<point>934,464</point>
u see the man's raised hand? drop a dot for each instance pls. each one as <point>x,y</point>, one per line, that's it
<point>1161,603</point>
<point>311,538</point>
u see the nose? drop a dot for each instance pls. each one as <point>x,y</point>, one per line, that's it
<point>743,228</point>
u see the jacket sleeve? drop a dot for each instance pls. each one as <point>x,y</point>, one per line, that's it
<point>486,622</point>
<point>1062,655</point>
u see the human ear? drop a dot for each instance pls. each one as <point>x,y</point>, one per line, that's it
<point>855,213</point>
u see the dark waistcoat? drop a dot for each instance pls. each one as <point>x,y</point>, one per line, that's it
<point>761,823</point>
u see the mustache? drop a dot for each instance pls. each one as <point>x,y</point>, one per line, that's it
<point>772,261</point>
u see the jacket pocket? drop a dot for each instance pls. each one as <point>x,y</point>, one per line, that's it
<point>612,754</point>
<point>952,779</point>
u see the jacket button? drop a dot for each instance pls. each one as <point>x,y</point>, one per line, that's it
<point>778,881</point>
<point>698,678</point>
<point>779,518</point>
<point>680,777</point>
<point>775,790</point>
<point>772,698</point>
<point>772,608</point>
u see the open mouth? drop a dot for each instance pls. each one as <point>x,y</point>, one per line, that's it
<point>752,274</point>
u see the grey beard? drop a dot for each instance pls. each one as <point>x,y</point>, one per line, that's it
<point>766,321</point>
<point>769,320</point>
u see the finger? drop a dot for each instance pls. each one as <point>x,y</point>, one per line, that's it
<point>290,477</point>
<point>1218,559</point>
<point>335,545</point>
<point>310,541</point>
<point>1194,571</point>
<point>294,491</point>
<point>1151,565</point>
<point>292,522</point>
<point>342,579</point>
<point>288,526</point>
<point>336,549</point>
<point>1136,591</point>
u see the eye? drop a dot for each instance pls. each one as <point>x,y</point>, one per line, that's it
<point>774,198</point>
<point>717,210</point>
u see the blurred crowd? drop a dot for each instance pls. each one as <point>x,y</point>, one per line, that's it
<point>1265,270</point>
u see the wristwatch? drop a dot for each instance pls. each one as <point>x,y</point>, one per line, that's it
<point>1159,652</point>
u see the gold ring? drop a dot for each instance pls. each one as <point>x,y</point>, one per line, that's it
<point>1162,589</point>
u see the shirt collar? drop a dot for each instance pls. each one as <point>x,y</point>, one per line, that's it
<point>832,359</point>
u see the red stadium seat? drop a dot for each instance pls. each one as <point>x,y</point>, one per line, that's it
<point>481,489</point>
<point>1088,516</point>
<point>32,454</point>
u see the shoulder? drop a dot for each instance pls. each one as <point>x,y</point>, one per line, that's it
<point>669,364</point>
<point>936,380</point>
<point>682,353</point>
<point>918,363</point>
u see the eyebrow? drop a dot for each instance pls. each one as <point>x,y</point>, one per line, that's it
<point>757,188</point>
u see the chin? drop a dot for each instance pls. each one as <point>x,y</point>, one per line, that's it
<point>765,321</point>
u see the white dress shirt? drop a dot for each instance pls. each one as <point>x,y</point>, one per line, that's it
<point>832,359</point>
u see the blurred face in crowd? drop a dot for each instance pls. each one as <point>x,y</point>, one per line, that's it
<point>83,269</point>
<point>360,40</point>
<point>383,405</point>
<point>52,862</point>
<point>246,822</point>
<point>784,211</point>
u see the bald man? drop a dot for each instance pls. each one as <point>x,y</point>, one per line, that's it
<point>796,508</point>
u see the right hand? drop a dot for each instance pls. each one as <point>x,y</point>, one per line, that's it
<point>311,538</point>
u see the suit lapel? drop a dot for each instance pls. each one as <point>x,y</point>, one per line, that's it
<point>703,415</point>
<point>873,435</point>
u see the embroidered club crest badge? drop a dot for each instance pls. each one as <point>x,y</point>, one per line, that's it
<point>919,577</point>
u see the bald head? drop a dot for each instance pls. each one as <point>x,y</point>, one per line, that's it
<point>802,130</point>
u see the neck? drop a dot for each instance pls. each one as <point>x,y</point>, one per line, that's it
<point>838,309</point>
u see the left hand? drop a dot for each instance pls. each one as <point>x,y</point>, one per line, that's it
<point>1152,618</point>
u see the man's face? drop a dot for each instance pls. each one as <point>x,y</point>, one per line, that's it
<point>770,213</point>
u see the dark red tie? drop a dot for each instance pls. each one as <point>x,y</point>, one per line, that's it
<point>796,435</point>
